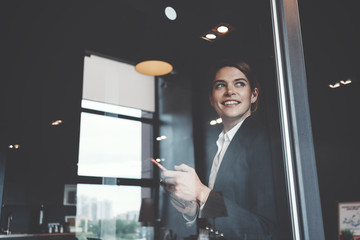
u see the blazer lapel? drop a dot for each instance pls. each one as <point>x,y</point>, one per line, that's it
<point>237,146</point>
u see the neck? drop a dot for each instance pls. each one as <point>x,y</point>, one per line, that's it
<point>230,123</point>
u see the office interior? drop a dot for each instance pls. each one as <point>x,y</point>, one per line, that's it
<point>43,45</point>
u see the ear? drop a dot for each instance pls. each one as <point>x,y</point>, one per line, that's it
<point>254,95</point>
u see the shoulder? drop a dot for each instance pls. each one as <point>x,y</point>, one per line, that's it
<point>252,128</point>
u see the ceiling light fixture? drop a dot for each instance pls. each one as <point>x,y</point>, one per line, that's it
<point>217,121</point>
<point>161,138</point>
<point>222,29</point>
<point>217,32</point>
<point>56,122</point>
<point>336,85</point>
<point>170,13</point>
<point>16,146</point>
<point>345,82</point>
<point>210,36</point>
<point>154,67</point>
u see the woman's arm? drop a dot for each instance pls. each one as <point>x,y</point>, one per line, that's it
<point>247,196</point>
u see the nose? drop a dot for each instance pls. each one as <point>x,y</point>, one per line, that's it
<point>229,91</point>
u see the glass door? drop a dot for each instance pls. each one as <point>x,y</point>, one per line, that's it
<point>268,37</point>
<point>234,111</point>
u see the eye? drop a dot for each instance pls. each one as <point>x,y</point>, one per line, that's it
<point>219,85</point>
<point>240,84</point>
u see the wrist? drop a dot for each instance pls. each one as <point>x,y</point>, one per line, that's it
<point>193,211</point>
<point>203,194</point>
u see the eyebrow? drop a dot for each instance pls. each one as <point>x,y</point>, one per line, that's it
<point>235,80</point>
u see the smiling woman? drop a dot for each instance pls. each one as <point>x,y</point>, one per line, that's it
<point>233,95</point>
<point>240,189</point>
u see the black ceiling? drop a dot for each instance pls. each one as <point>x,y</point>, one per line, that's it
<point>43,42</point>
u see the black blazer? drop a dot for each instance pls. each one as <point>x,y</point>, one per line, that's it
<point>243,187</point>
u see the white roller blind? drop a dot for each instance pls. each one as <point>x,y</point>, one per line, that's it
<point>117,83</point>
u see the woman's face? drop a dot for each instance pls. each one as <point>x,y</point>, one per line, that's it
<point>232,95</point>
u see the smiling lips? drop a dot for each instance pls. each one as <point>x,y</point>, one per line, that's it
<point>230,102</point>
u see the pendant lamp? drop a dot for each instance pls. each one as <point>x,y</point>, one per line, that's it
<point>154,67</point>
<point>154,59</point>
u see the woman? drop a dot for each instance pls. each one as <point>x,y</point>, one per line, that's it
<point>240,188</point>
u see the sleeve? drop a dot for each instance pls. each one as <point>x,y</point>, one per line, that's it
<point>252,216</point>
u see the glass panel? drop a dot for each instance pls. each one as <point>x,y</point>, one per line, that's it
<point>245,191</point>
<point>331,49</point>
<point>109,147</point>
<point>108,211</point>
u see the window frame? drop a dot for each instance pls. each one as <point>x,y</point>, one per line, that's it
<point>299,155</point>
<point>143,182</point>
<point>152,182</point>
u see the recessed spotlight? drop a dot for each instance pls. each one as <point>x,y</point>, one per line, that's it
<point>213,122</point>
<point>217,32</point>
<point>161,138</point>
<point>170,13</point>
<point>217,121</point>
<point>56,122</point>
<point>222,29</point>
<point>15,146</point>
<point>210,36</point>
<point>345,82</point>
<point>336,85</point>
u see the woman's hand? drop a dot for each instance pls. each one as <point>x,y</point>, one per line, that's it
<point>186,184</point>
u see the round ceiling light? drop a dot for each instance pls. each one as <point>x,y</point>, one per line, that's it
<point>154,67</point>
<point>210,36</point>
<point>222,29</point>
<point>170,13</point>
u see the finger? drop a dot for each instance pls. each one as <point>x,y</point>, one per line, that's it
<point>170,187</point>
<point>183,167</point>
<point>169,181</point>
<point>168,174</point>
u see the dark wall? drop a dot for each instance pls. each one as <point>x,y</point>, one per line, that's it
<point>176,123</point>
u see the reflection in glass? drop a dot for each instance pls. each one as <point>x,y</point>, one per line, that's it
<point>108,211</point>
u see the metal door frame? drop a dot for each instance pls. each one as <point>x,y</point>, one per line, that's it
<point>298,147</point>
